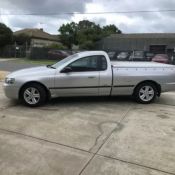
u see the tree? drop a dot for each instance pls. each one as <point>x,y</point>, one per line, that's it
<point>22,39</point>
<point>6,35</point>
<point>85,33</point>
<point>88,33</point>
<point>68,34</point>
<point>110,29</point>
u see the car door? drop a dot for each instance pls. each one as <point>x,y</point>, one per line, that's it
<point>81,80</point>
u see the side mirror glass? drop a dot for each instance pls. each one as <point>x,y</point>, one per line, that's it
<point>66,70</point>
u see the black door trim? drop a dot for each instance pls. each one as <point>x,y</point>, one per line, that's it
<point>79,87</point>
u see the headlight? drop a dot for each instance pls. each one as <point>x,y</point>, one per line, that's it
<point>9,80</point>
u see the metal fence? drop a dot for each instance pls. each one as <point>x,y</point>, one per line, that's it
<point>38,53</point>
<point>13,51</point>
<point>43,53</point>
<point>31,52</point>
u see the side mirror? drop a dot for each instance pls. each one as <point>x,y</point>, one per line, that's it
<point>66,70</point>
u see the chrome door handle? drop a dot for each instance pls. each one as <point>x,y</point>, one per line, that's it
<point>91,77</point>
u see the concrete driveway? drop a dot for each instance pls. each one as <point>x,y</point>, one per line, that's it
<point>88,136</point>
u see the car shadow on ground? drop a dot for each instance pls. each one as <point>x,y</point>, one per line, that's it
<point>80,101</point>
<point>84,101</point>
<point>90,100</point>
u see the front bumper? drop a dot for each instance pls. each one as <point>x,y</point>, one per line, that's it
<point>11,91</point>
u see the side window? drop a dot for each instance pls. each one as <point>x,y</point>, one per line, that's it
<point>85,64</point>
<point>90,63</point>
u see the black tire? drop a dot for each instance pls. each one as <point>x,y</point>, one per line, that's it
<point>139,95</point>
<point>40,91</point>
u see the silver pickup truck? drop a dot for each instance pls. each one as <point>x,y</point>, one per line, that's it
<point>90,73</point>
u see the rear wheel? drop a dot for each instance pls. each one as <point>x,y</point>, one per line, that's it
<point>145,93</point>
<point>33,95</point>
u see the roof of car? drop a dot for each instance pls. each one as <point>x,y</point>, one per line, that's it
<point>90,53</point>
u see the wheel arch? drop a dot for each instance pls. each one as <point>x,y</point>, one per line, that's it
<point>48,94</point>
<point>157,85</point>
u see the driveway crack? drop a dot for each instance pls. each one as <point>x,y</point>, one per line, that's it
<point>102,132</point>
<point>118,127</point>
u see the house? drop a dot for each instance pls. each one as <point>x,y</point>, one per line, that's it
<point>39,38</point>
<point>150,42</point>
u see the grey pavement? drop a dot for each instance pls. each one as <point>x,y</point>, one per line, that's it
<point>88,136</point>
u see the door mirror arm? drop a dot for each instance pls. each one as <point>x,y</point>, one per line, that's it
<point>66,70</point>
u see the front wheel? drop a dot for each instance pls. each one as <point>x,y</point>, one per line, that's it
<point>33,95</point>
<point>145,93</point>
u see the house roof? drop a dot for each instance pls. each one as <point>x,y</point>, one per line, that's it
<point>37,33</point>
<point>143,35</point>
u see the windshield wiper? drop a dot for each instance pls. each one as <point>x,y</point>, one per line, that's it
<point>50,66</point>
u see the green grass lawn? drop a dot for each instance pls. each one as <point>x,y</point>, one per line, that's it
<point>38,61</point>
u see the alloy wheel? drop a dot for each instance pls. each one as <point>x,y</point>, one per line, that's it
<point>31,95</point>
<point>146,93</point>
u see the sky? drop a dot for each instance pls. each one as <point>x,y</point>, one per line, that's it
<point>12,13</point>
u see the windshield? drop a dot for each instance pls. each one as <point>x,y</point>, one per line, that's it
<point>64,61</point>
